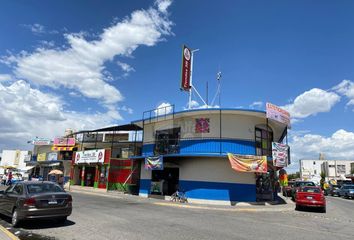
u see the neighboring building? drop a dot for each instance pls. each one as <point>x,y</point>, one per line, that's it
<point>194,146</point>
<point>102,158</point>
<point>15,160</point>
<point>333,169</point>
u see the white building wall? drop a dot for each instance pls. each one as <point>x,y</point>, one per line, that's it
<point>311,169</point>
<point>212,170</point>
<point>15,158</point>
<point>236,126</point>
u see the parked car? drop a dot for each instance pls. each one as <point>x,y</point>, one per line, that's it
<point>333,190</point>
<point>310,197</point>
<point>287,189</point>
<point>346,191</point>
<point>32,200</point>
<point>298,184</point>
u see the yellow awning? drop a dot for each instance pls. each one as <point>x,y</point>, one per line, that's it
<point>62,148</point>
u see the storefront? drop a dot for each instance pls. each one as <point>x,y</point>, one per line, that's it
<point>90,168</point>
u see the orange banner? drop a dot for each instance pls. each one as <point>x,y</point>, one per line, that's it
<point>248,163</point>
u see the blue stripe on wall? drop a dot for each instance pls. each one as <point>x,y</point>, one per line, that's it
<point>148,149</point>
<point>145,185</point>
<point>210,146</point>
<point>233,192</point>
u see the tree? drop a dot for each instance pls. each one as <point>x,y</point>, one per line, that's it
<point>293,176</point>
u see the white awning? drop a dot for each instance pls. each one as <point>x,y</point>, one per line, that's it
<point>26,169</point>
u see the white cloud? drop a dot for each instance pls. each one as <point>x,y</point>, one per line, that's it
<point>126,68</point>
<point>35,28</point>
<point>338,146</point>
<point>28,112</point>
<point>5,77</point>
<point>257,104</point>
<point>196,105</point>
<point>163,5</point>
<point>346,88</point>
<point>80,66</point>
<point>312,102</point>
<point>163,108</point>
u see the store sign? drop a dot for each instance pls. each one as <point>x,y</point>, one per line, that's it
<point>60,141</point>
<point>41,157</point>
<point>278,114</point>
<point>154,163</point>
<point>41,141</point>
<point>90,156</point>
<point>248,163</point>
<point>53,156</point>
<point>186,69</point>
<point>280,154</point>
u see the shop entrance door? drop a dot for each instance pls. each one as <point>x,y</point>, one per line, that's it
<point>89,176</point>
<point>167,181</point>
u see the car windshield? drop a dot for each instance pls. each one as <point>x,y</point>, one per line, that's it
<point>301,184</point>
<point>43,188</point>
<point>311,190</point>
<point>348,187</point>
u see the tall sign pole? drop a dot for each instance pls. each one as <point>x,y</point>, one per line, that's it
<point>187,74</point>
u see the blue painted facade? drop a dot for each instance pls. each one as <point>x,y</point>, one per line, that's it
<point>216,191</point>
<point>215,146</point>
<point>233,192</point>
<point>145,185</point>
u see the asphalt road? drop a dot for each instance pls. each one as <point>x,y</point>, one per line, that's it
<point>98,217</point>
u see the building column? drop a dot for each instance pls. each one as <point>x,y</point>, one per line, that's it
<point>83,176</point>
<point>96,180</point>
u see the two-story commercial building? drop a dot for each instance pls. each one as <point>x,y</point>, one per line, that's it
<point>191,147</point>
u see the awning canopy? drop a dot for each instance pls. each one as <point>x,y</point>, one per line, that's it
<point>126,127</point>
<point>26,169</point>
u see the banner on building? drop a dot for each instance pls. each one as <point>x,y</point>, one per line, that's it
<point>248,163</point>
<point>41,157</point>
<point>61,141</point>
<point>278,114</point>
<point>154,163</point>
<point>186,69</point>
<point>280,154</point>
<point>90,156</point>
<point>53,156</point>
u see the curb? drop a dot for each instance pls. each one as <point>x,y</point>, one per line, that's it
<point>241,207</point>
<point>9,234</point>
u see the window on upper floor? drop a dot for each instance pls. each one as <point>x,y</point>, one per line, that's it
<point>167,141</point>
<point>264,140</point>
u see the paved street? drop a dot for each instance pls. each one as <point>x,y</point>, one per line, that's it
<point>99,217</point>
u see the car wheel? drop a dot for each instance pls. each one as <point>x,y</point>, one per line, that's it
<point>297,207</point>
<point>15,220</point>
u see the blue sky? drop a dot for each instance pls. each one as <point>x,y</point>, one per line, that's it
<point>87,64</point>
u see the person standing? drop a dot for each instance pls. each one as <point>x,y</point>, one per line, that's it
<point>4,179</point>
<point>9,178</point>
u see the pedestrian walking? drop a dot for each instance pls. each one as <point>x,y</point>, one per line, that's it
<point>9,179</point>
<point>4,179</point>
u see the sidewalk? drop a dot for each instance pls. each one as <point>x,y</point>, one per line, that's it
<point>282,203</point>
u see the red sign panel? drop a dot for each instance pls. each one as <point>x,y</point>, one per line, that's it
<point>186,69</point>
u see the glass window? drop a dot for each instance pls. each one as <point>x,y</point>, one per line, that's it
<point>264,140</point>
<point>43,188</point>
<point>18,189</point>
